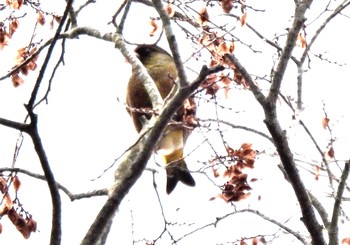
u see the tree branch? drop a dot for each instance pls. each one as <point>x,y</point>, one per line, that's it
<point>15,125</point>
<point>287,159</point>
<point>299,19</point>
<point>333,228</point>
<point>72,197</point>
<point>238,127</point>
<point>56,230</point>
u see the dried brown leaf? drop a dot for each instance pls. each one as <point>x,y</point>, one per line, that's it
<point>317,172</point>
<point>330,152</point>
<point>346,241</point>
<point>16,80</point>
<point>3,185</point>
<point>155,27</point>
<point>4,38</point>
<point>325,122</point>
<point>243,19</point>
<point>41,18</point>
<point>13,27</point>
<point>16,183</point>
<point>31,65</point>
<point>301,41</point>
<point>170,10</point>
<point>203,17</point>
<point>226,6</point>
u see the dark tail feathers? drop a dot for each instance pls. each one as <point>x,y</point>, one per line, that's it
<point>176,172</point>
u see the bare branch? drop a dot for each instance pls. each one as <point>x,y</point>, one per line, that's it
<point>15,125</point>
<point>238,127</point>
<point>333,228</point>
<point>72,197</point>
<point>299,19</point>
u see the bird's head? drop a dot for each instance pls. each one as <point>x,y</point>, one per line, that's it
<point>147,53</point>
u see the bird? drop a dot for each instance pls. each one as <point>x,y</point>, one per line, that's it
<point>161,67</point>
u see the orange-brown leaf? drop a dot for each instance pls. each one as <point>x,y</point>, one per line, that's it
<point>215,171</point>
<point>32,65</point>
<point>246,146</point>
<point>346,241</point>
<point>243,19</point>
<point>16,80</point>
<point>3,185</point>
<point>226,6</point>
<point>170,10</point>
<point>13,27</point>
<point>155,27</point>
<point>226,80</point>
<point>16,183</point>
<point>24,70</point>
<point>4,38</point>
<point>213,63</point>
<point>15,4</point>
<point>301,41</point>
<point>325,122</point>
<point>203,17</point>
<point>330,152</point>
<point>317,172</point>
<point>255,241</point>
<point>225,48</point>
<point>243,243</point>
<point>41,18</point>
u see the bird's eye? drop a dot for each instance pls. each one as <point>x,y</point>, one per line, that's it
<point>147,52</point>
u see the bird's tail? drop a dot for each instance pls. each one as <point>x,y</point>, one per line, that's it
<point>176,170</point>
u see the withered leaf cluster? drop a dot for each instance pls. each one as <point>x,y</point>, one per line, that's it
<point>219,48</point>
<point>22,55</point>
<point>11,207</point>
<point>11,24</point>
<point>237,187</point>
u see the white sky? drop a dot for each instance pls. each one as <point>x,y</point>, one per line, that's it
<point>85,127</point>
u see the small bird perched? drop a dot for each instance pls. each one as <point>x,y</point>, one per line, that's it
<point>161,67</point>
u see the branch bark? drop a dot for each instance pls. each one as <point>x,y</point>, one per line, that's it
<point>333,228</point>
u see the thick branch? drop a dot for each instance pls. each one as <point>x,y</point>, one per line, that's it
<point>13,124</point>
<point>287,160</point>
<point>56,229</point>
<point>333,228</point>
<point>293,33</point>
